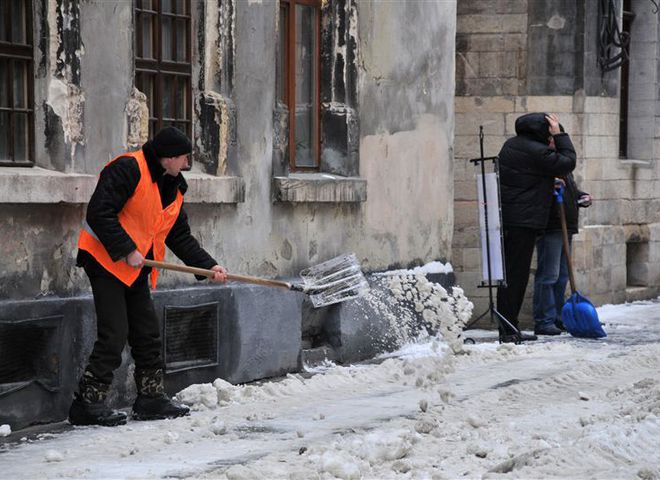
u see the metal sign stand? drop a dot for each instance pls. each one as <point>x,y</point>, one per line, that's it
<point>495,316</point>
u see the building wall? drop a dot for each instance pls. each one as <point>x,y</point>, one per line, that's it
<point>388,100</point>
<point>405,107</point>
<point>516,57</point>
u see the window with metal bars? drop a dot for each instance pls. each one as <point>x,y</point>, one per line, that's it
<point>298,79</point>
<point>163,66</point>
<point>16,89</point>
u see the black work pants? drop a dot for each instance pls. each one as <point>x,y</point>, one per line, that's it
<point>123,314</point>
<point>518,250</point>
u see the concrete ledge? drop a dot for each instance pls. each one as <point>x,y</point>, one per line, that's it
<point>319,187</point>
<point>203,188</point>
<point>38,185</point>
<point>630,162</point>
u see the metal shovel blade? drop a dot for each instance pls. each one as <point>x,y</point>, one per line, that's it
<point>335,280</point>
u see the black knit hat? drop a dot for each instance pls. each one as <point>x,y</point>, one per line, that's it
<point>171,142</point>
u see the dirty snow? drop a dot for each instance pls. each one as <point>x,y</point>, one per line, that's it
<point>557,408</point>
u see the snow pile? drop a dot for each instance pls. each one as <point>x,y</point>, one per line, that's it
<point>209,395</point>
<point>413,307</point>
<point>560,407</point>
<point>356,457</point>
<point>421,370</point>
<point>5,430</point>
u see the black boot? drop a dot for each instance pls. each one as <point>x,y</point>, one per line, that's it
<point>88,407</point>
<point>152,403</point>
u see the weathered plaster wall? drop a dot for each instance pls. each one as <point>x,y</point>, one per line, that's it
<point>400,121</point>
<point>87,113</point>
<point>38,258</point>
<point>404,156</point>
<point>106,80</point>
<point>406,120</point>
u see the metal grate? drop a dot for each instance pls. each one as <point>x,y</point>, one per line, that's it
<point>191,336</point>
<point>29,352</point>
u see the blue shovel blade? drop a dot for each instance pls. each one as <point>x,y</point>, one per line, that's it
<point>580,318</point>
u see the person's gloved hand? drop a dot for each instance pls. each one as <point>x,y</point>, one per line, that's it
<point>584,200</point>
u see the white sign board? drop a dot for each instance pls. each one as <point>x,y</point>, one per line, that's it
<point>494,228</point>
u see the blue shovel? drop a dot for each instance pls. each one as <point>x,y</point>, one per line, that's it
<point>579,316</point>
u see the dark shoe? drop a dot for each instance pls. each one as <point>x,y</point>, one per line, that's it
<point>84,413</point>
<point>157,408</point>
<point>515,338</point>
<point>547,330</point>
<point>560,325</point>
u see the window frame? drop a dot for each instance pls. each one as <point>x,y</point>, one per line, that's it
<point>160,70</point>
<point>628,18</point>
<point>288,29</point>
<point>23,53</point>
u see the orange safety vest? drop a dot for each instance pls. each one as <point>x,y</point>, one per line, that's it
<point>144,220</point>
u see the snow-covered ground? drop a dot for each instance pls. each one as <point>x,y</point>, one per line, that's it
<point>557,408</point>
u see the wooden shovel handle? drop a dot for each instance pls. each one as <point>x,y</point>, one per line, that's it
<point>567,247</point>
<point>209,273</point>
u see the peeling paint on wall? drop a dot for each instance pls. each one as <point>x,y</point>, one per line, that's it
<point>69,43</point>
<point>65,97</point>
<point>218,124</point>
<point>227,46</point>
<point>45,283</point>
<point>67,102</point>
<point>211,33</point>
<point>556,22</point>
<point>137,116</point>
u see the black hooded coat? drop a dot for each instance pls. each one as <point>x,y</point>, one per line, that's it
<point>528,167</point>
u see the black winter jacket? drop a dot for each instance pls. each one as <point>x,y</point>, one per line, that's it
<point>528,167</point>
<point>117,183</point>
<point>571,196</point>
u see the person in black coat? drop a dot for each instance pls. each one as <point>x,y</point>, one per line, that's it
<point>125,311</point>
<point>528,166</point>
<point>552,267</point>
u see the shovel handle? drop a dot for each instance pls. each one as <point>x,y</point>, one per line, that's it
<point>209,274</point>
<point>567,247</point>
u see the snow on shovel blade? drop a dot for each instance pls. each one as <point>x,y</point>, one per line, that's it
<point>335,280</point>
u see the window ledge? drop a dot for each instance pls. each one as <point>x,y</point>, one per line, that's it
<point>636,163</point>
<point>204,188</point>
<point>319,187</point>
<point>38,185</point>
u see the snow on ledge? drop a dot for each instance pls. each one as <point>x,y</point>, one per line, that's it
<point>431,267</point>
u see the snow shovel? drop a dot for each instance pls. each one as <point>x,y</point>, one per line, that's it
<point>336,280</point>
<point>579,316</point>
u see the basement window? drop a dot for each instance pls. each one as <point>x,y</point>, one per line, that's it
<point>29,353</point>
<point>191,336</point>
